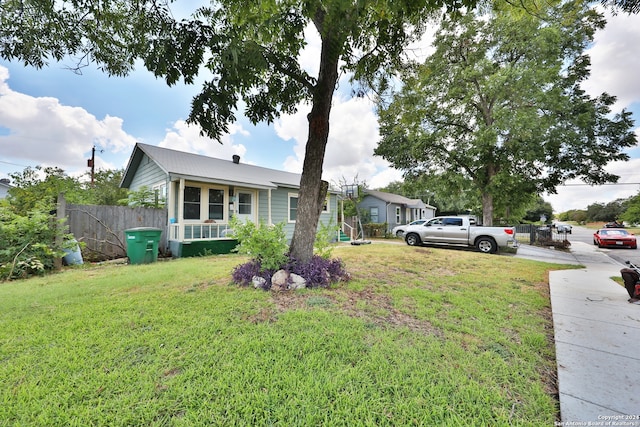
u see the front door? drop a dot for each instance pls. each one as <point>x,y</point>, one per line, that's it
<point>245,209</point>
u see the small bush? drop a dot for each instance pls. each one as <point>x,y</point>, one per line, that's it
<point>558,244</point>
<point>265,244</point>
<point>243,274</point>
<point>324,238</point>
<point>318,272</point>
<point>375,229</point>
<point>28,243</point>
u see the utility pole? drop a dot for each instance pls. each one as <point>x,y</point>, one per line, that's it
<point>92,164</point>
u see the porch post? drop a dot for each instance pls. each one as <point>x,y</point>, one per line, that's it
<point>180,218</point>
<point>269,206</point>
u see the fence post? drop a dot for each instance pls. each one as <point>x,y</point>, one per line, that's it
<point>60,214</point>
<point>532,234</point>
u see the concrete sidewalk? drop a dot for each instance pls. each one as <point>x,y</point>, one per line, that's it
<point>597,337</point>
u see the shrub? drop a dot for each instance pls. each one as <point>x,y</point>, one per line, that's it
<point>318,272</point>
<point>324,238</point>
<point>265,244</point>
<point>243,274</point>
<point>375,229</point>
<point>29,243</point>
<point>144,197</point>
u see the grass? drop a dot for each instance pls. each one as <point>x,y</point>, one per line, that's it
<point>598,225</point>
<point>420,336</point>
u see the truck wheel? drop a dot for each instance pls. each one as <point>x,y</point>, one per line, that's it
<point>399,233</point>
<point>487,245</point>
<point>413,239</point>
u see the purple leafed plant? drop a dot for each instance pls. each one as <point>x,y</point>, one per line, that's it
<point>243,274</point>
<point>318,272</point>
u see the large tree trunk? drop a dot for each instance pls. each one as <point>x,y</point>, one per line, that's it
<point>487,209</point>
<point>312,191</point>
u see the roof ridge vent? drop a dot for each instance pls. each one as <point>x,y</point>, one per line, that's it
<point>236,159</point>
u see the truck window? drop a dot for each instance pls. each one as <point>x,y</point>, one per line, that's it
<point>457,222</point>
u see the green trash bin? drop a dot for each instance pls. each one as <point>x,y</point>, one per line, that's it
<point>142,244</point>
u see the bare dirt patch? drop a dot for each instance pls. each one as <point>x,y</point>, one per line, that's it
<point>370,306</point>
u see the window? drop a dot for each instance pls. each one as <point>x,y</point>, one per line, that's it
<point>216,204</point>
<point>397,214</point>
<point>293,207</point>
<point>191,203</point>
<point>244,203</point>
<point>373,211</point>
<point>161,190</point>
<point>453,221</point>
<point>325,205</point>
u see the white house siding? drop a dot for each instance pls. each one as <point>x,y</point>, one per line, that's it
<point>148,174</point>
<point>280,210</point>
<point>368,202</point>
<point>263,205</point>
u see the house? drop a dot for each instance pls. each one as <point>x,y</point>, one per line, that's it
<point>4,187</point>
<point>393,209</point>
<point>203,193</point>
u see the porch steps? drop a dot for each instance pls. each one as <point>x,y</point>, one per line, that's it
<point>344,237</point>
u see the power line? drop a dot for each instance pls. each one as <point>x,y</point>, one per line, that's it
<point>13,164</point>
<point>598,185</point>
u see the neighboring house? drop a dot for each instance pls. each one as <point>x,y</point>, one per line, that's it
<point>203,193</point>
<point>393,209</point>
<point>4,188</point>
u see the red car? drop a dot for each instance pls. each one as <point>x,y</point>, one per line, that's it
<point>614,237</point>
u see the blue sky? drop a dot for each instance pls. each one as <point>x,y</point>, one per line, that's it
<point>53,117</point>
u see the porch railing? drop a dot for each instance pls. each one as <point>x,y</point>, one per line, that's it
<point>348,230</point>
<point>198,231</point>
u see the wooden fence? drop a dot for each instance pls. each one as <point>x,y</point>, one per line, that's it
<point>101,228</point>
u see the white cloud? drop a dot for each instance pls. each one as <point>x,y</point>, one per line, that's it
<point>353,135</point>
<point>185,137</point>
<point>615,64</point>
<point>615,60</point>
<point>309,58</point>
<point>43,131</point>
<point>576,195</point>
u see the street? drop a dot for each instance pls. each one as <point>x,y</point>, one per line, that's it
<point>583,234</point>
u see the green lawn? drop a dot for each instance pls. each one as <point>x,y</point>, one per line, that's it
<point>420,336</point>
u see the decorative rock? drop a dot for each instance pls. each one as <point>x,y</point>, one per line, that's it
<point>280,279</point>
<point>297,282</point>
<point>258,282</point>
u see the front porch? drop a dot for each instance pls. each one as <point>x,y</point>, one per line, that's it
<point>207,230</point>
<point>198,239</point>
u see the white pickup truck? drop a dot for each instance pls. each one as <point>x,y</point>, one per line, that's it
<point>458,230</point>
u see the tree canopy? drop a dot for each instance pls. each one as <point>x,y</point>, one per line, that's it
<point>629,6</point>
<point>499,108</point>
<point>247,52</point>
<point>39,187</point>
<point>632,210</point>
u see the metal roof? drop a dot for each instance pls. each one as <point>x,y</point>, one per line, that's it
<point>397,199</point>
<point>180,164</point>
